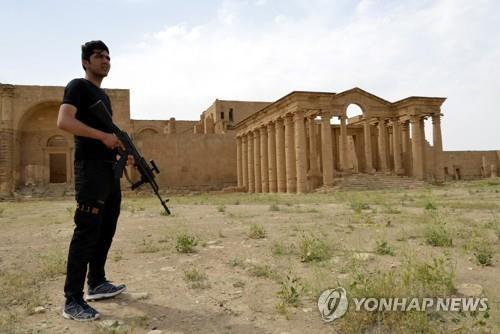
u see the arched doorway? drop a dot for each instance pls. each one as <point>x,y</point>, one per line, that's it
<point>355,139</point>
<point>57,159</point>
<point>44,152</point>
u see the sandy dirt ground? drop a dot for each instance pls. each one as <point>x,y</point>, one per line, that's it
<point>246,245</point>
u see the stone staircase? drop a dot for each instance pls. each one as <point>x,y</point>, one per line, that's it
<point>376,181</point>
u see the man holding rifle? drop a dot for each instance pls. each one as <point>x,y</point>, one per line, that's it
<point>98,192</point>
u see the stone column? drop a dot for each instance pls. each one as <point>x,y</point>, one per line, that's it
<point>264,169</point>
<point>396,147</point>
<point>368,147</point>
<point>314,171</point>
<point>244,161</point>
<point>291,175</point>
<point>280,156</point>
<point>416,147</point>
<point>343,144</point>
<point>326,148</point>
<point>390,143</point>
<point>438,149</point>
<point>7,142</point>
<point>239,172</point>
<point>424,145</point>
<point>271,153</point>
<point>256,163</point>
<point>251,170</point>
<point>300,152</point>
<point>382,145</point>
<point>405,144</point>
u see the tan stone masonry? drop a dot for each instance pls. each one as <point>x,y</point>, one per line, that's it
<point>381,133</point>
<point>289,145</point>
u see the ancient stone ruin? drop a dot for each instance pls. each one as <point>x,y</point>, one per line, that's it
<point>289,145</point>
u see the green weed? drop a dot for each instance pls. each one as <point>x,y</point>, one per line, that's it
<point>290,291</point>
<point>312,248</point>
<point>438,236</point>
<point>383,248</point>
<point>195,278</point>
<point>186,243</point>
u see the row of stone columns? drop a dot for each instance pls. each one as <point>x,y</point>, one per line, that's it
<point>408,153</point>
<point>275,157</point>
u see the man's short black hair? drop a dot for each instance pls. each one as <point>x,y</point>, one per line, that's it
<point>89,48</point>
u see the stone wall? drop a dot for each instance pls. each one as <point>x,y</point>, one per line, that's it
<point>33,150</point>
<point>192,161</point>
<point>162,126</point>
<point>471,164</point>
<point>203,154</point>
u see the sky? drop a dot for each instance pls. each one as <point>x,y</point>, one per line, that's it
<point>177,57</point>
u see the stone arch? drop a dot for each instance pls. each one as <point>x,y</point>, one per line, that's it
<point>57,141</point>
<point>147,132</point>
<point>354,109</point>
<point>44,153</point>
<point>35,108</point>
<point>143,135</point>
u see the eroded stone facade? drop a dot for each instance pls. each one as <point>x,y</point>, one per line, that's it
<point>34,152</point>
<point>291,145</point>
<point>223,115</point>
<point>286,146</point>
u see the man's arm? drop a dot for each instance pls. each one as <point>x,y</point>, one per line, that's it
<point>67,121</point>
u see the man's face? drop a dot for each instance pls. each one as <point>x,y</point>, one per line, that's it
<point>99,63</point>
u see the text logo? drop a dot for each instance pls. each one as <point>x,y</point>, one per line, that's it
<point>332,304</point>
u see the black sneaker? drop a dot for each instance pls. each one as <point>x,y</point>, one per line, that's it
<point>105,290</point>
<point>78,309</point>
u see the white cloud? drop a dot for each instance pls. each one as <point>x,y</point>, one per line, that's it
<point>443,48</point>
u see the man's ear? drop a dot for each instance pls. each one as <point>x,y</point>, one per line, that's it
<point>85,63</point>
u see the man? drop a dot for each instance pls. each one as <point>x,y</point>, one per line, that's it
<point>98,193</point>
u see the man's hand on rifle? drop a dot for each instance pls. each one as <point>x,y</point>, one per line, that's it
<point>111,141</point>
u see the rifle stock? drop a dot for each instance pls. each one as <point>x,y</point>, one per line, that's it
<point>146,171</point>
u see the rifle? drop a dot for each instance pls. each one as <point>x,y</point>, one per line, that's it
<point>102,113</point>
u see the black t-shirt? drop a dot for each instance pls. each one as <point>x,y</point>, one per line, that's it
<point>82,93</point>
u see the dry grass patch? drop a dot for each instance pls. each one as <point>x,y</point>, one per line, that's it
<point>257,232</point>
<point>413,279</point>
<point>53,264</point>
<point>20,290</point>
<point>147,246</point>
<point>196,278</point>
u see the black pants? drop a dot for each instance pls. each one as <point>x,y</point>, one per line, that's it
<point>98,197</point>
